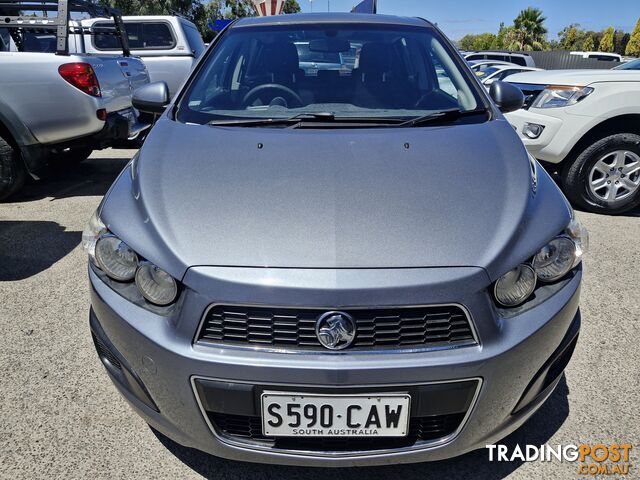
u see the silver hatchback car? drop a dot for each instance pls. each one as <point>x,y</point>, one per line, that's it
<point>334,267</point>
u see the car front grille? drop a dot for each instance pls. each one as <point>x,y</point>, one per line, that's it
<point>105,353</point>
<point>531,93</point>
<point>379,328</point>
<point>422,429</point>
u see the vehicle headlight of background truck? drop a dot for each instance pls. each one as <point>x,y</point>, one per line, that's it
<point>556,96</point>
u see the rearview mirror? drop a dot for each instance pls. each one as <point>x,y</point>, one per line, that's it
<point>507,97</point>
<point>329,45</point>
<point>152,98</point>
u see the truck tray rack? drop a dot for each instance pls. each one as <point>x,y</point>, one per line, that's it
<point>13,17</point>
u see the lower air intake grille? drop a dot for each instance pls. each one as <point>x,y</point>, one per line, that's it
<point>422,429</point>
<point>105,353</point>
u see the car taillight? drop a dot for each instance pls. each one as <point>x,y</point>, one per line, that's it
<point>81,76</point>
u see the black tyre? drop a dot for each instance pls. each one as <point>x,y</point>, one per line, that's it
<point>12,171</point>
<point>605,177</point>
<point>70,157</point>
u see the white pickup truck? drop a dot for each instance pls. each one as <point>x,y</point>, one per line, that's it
<point>168,45</point>
<point>586,125</point>
<point>57,107</point>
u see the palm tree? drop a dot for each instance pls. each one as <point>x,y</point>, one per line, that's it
<point>530,32</point>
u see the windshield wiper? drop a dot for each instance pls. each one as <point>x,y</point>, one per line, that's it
<point>260,122</point>
<point>450,115</point>
<point>301,119</point>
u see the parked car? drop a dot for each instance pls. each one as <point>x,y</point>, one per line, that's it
<point>602,56</point>
<point>631,65</point>
<point>346,270</point>
<point>168,45</point>
<point>517,58</point>
<point>585,123</point>
<point>492,74</point>
<point>313,61</point>
<point>481,65</point>
<point>60,107</point>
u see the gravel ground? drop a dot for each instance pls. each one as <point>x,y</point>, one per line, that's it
<point>62,418</point>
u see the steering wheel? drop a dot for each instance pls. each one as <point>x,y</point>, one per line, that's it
<point>292,98</point>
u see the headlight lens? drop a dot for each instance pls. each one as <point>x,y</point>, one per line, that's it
<point>91,233</point>
<point>580,236</point>
<point>557,96</point>
<point>514,287</point>
<point>555,259</point>
<point>156,285</point>
<point>115,258</point>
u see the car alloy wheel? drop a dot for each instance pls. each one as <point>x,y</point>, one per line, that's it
<point>615,176</point>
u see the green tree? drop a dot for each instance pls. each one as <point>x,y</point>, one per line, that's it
<point>606,44</point>
<point>499,42</point>
<point>483,41</point>
<point>569,37</point>
<point>633,47</point>
<point>588,45</point>
<point>467,42</point>
<point>620,41</point>
<point>530,30</point>
<point>291,6</point>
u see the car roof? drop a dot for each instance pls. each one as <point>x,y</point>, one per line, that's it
<point>498,52</point>
<point>500,68</point>
<point>492,62</point>
<point>313,18</point>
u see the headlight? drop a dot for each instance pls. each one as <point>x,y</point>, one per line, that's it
<point>514,287</point>
<point>556,96</point>
<point>156,285</point>
<point>563,253</point>
<point>580,236</point>
<point>555,259</point>
<point>115,258</point>
<point>91,233</point>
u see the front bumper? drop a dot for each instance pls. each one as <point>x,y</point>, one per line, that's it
<point>500,382</point>
<point>562,130</point>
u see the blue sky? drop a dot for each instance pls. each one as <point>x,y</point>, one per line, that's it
<point>459,17</point>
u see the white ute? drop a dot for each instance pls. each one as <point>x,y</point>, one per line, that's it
<point>587,123</point>
<point>58,107</point>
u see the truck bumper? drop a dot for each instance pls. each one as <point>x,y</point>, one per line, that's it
<point>561,131</point>
<point>120,130</point>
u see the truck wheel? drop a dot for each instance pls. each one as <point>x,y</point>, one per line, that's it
<point>70,157</point>
<point>605,178</point>
<point>12,171</point>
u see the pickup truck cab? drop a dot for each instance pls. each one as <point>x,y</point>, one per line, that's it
<point>169,46</point>
<point>587,122</point>
<point>59,107</point>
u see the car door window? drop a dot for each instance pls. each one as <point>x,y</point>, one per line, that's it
<point>194,38</point>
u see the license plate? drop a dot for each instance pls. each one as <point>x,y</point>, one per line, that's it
<point>310,415</point>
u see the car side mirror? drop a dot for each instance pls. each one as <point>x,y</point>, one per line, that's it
<point>152,98</point>
<point>507,97</point>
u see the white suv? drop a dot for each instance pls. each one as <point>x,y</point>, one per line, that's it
<point>588,123</point>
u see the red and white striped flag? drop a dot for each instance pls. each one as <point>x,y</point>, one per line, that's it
<point>266,8</point>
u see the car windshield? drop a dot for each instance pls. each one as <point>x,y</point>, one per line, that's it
<point>484,73</point>
<point>632,65</point>
<point>340,71</point>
